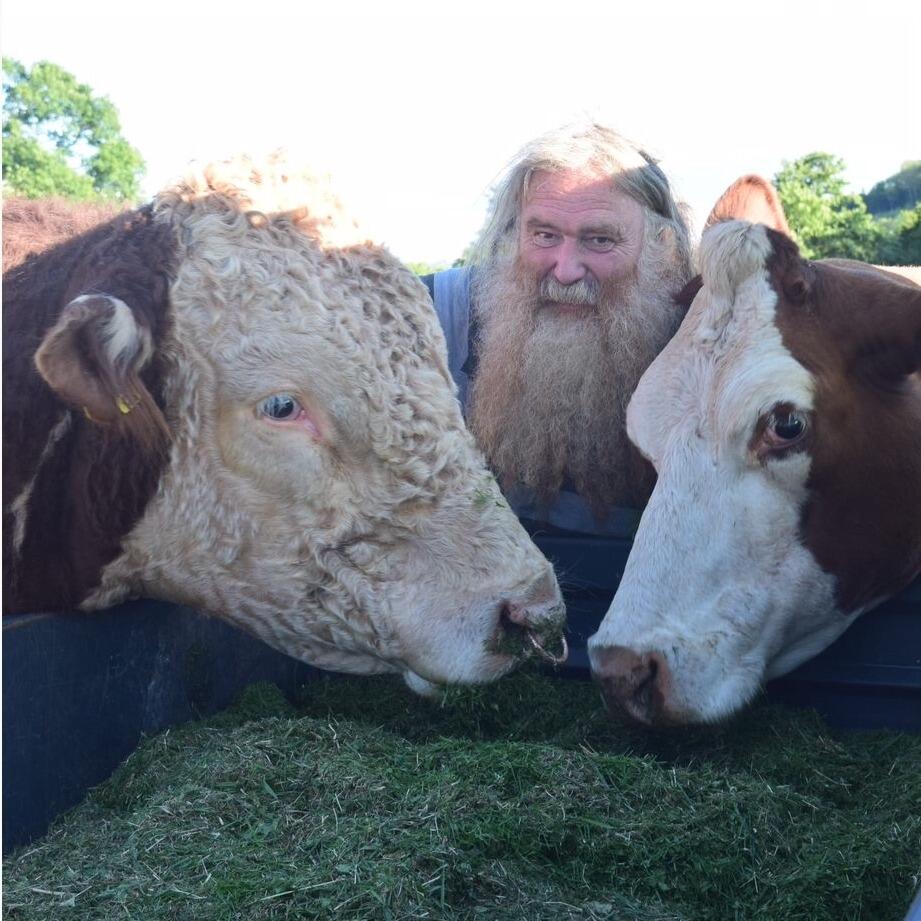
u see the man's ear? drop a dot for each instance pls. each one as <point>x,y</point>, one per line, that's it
<point>92,357</point>
<point>750,198</point>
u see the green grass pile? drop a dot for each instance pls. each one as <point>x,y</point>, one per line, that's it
<point>521,800</point>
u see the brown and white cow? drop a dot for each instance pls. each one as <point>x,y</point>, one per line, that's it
<point>784,420</point>
<point>230,400</point>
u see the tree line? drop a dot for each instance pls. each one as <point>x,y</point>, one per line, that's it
<point>61,139</point>
<point>883,226</point>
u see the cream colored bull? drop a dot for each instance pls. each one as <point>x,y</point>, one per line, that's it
<point>274,438</point>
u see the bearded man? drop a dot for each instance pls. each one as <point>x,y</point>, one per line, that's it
<point>569,298</point>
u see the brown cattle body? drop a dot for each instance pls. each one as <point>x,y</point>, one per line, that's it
<point>75,488</point>
<point>32,226</point>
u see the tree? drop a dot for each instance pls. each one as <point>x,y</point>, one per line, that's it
<point>424,268</point>
<point>60,139</point>
<point>901,191</point>
<point>901,241</point>
<point>825,220</point>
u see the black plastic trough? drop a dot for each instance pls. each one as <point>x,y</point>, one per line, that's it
<point>79,690</point>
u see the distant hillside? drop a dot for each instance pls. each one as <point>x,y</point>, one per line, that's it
<point>898,192</point>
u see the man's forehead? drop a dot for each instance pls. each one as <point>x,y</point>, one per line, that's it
<point>566,181</point>
<point>575,192</point>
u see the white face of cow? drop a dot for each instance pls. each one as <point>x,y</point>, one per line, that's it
<point>323,491</point>
<point>720,591</point>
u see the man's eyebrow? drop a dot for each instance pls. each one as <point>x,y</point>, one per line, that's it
<point>533,222</point>
<point>604,229</point>
<point>607,229</point>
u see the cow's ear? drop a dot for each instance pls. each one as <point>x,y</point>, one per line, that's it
<point>750,198</point>
<point>92,358</point>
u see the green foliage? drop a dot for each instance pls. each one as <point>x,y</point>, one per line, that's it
<point>899,192</point>
<point>424,268</point>
<point>901,241</point>
<point>826,220</point>
<point>60,139</point>
<point>466,257</point>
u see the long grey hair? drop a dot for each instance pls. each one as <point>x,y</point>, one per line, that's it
<point>592,148</point>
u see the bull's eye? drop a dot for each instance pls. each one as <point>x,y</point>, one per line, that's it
<point>787,426</point>
<point>279,406</point>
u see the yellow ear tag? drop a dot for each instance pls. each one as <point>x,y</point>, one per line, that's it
<point>123,407</point>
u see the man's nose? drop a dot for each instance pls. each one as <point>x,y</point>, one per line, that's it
<point>569,267</point>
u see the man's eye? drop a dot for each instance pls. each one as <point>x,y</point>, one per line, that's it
<point>600,244</point>
<point>544,237</point>
<point>279,406</point>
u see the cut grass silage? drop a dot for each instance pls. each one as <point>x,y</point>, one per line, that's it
<point>515,801</point>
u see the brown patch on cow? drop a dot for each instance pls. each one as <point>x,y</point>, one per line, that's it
<point>858,331</point>
<point>31,226</point>
<point>77,503</point>
<point>909,274</point>
<point>750,198</point>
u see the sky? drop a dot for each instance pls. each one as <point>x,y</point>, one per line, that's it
<point>416,107</point>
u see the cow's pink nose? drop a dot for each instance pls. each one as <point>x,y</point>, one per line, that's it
<point>633,683</point>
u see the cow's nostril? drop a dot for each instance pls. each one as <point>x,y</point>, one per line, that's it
<point>645,678</point>
<point>652,669</point>
<point>631,682</point>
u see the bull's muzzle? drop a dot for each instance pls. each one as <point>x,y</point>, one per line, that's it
<point>535,621</point>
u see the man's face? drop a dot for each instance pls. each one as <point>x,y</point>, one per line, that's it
<point>576,230</point>
<point>568,323</point>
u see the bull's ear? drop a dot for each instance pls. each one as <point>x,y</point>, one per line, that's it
<point>92,358</point>
<point>750,198</point>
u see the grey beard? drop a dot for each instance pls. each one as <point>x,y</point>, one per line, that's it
<point>550,396</point>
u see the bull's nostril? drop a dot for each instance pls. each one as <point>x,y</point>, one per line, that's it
<point>518,635</point>
<point>515,613</point>
<point>513,622</point>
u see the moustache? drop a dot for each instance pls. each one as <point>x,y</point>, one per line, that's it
<point>585,291</point>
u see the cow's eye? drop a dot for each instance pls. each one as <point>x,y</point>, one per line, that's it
<point>279,406</point>
<point>788,426</point>
<point>783,428</point>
